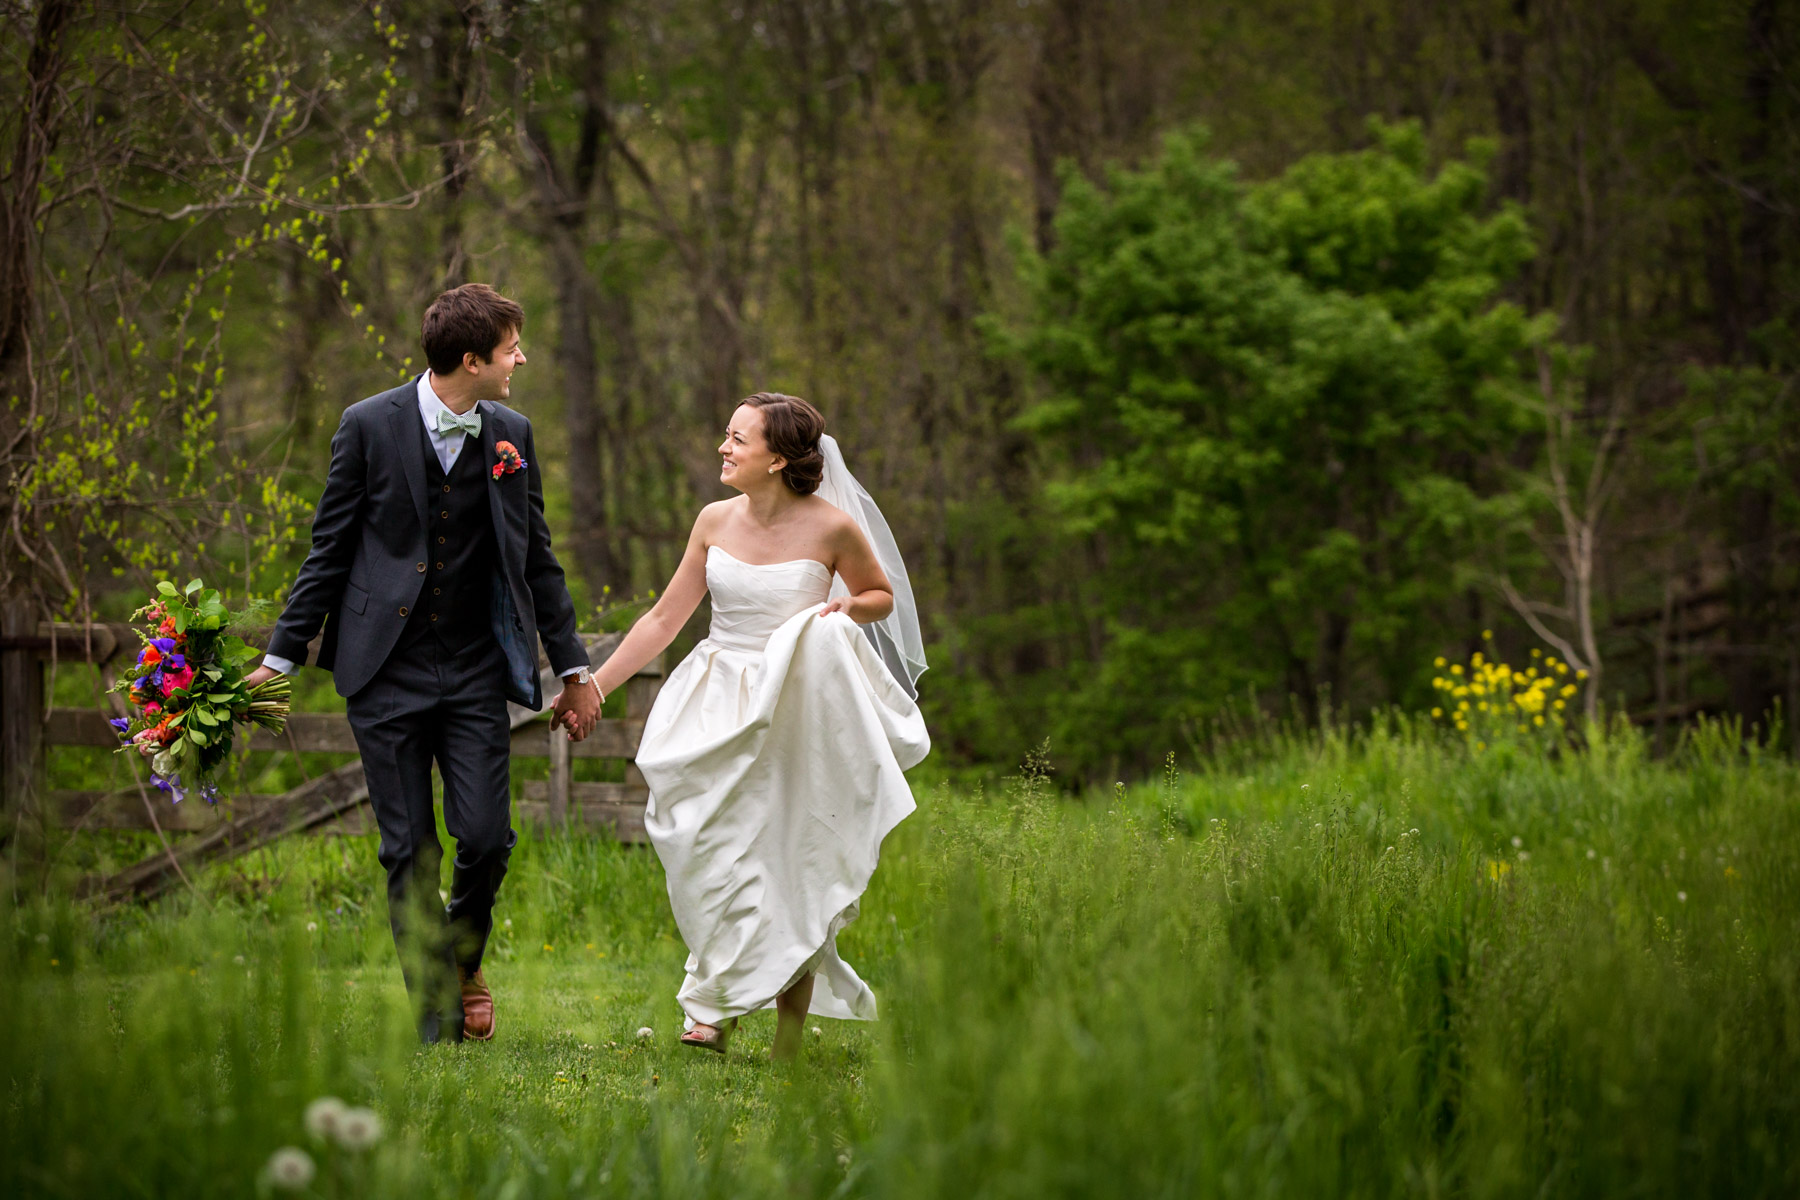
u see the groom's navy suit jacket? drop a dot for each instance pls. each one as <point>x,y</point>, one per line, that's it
<point>367,565</point>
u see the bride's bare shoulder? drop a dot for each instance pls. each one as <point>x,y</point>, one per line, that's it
<point>713,517</point>
<point>833,521</point>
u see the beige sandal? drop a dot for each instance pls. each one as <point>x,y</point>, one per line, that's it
<point>715,1041</point>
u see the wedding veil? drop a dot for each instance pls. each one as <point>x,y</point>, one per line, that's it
<point>896,636</point>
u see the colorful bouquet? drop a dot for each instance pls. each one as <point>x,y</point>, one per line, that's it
<point>187,689</point>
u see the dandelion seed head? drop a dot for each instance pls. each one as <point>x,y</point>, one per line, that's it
<point>1517,841</point>
<point>1681,896</point>
<point>645,1033</point>
<point>322,1116</point>
<point>289,1169</point>
<point>358,1129</point>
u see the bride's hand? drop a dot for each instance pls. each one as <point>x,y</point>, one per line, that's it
<point>841,604</point>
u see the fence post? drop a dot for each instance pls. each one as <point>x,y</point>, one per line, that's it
<point>559,777</point>
<point>21,719</point>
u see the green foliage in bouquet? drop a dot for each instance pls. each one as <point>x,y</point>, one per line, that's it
<point>187,688</point>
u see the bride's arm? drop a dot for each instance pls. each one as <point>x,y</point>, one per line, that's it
<point>871,595</point>
<point>653,632</point>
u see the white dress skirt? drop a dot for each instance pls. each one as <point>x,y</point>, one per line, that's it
<point>774,755</point>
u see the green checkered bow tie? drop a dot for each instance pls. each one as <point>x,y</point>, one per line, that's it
<point>449,422</point>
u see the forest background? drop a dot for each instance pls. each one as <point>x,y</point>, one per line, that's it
<point>1205,357</point>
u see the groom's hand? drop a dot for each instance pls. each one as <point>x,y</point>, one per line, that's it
<point>259,676</point>
<point>577,709</point>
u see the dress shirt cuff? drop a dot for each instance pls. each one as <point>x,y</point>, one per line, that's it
<point>571,671</point>
<point>286,666</point>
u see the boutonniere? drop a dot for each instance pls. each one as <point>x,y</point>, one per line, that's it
<point>509,459</point>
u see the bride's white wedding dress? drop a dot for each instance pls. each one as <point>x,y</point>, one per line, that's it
<point>774,756</point>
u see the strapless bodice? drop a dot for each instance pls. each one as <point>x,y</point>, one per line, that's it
<point>751,601</point>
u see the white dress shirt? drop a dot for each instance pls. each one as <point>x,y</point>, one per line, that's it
<point>447,446</point>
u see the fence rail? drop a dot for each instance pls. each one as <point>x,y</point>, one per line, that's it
<point>333,801</point>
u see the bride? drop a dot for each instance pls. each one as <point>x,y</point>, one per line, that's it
<point>774,752</point>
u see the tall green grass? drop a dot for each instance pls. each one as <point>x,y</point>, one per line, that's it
<point>1361,964</point>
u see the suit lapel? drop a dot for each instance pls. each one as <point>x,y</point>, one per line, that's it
<point>492,433</point>
<point>406,425</point>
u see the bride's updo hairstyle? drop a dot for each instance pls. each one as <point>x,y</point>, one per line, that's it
<point>791,428</point>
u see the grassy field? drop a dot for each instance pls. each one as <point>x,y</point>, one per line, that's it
<point>1368,964</point>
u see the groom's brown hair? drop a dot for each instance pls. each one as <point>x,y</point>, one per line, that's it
<point>471,319</point>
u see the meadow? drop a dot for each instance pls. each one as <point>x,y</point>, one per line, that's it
<point>1359,963</point>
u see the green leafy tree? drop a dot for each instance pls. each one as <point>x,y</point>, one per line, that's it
<point>1270,408</point>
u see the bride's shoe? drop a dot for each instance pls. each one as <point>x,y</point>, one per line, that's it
<point>714,1039</point>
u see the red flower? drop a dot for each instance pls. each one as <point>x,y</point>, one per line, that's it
<point>167,628</point>
<point>152,708</point>
<point>150,657</point>
<point>509,459</point>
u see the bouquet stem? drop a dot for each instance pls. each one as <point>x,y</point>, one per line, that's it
<point>269,703</point>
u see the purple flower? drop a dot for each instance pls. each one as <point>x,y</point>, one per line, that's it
<point>122,724</point>
<point>165,645</point>
<point>210,793</point>
<point>176,661</point>
<point>172,786</point>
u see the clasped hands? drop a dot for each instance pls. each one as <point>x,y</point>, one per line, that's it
<point>577,709</point>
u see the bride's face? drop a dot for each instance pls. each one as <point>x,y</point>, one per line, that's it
<point>748,462</point>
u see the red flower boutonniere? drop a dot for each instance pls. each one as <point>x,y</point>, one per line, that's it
<point>509,459</point>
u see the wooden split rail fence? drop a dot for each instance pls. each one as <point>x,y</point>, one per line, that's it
<point>332,801</point>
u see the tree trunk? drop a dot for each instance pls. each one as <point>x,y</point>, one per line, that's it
<point>19,203</point>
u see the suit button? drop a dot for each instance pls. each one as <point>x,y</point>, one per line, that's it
<point>440,541</point>
<point>421,568</point>
<point>437,591</point>
<point>440,566</point>
<point>403,610</point>
<point>434,616</point>
<point>445,513</point>
<point>446,487</point>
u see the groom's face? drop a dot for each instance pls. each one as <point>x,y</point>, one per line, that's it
<point>493,378</point>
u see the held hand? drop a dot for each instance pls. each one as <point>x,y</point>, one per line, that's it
<point>577,709</point>
<point>841,604</point>
<point>260,676</point>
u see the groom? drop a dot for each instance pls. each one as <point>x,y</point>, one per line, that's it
<point>432,575</point>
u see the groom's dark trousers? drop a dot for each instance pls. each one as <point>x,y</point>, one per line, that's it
<point>433,587</point>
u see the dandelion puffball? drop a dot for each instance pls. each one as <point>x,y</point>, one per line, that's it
<point>322,1116</point>
<point>358,1129</point>
<point>290,1169</point>
<point>646,1033</point>
<point>817,1032</point>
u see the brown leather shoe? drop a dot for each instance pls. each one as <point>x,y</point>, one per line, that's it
<point>478,1006</point>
